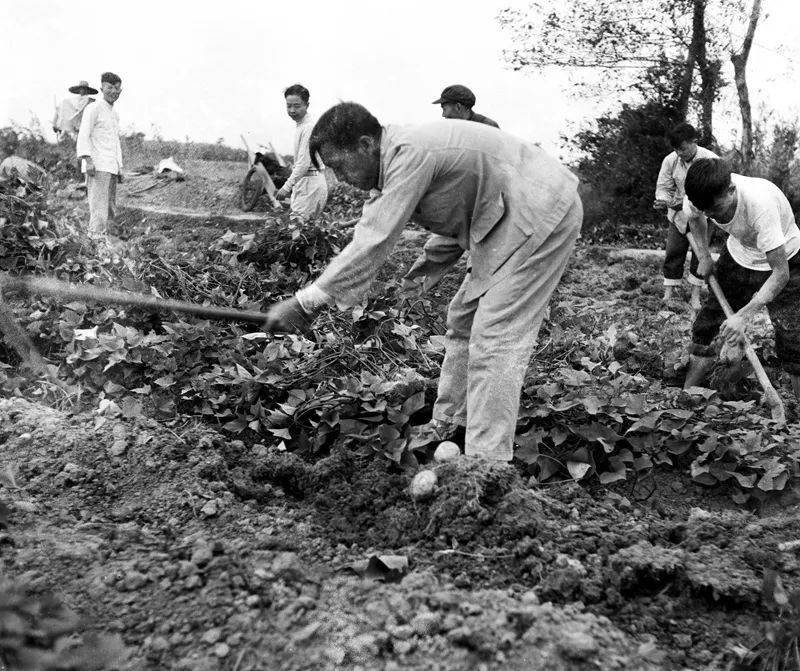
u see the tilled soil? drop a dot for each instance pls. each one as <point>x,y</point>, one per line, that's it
<point>207,553</point>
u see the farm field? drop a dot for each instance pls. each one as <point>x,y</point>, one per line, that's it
<point>199,495</point>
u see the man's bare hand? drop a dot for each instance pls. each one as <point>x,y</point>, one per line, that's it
<point>90,169</point>
<point>282,194</point>
<point>660,205</point>
<point>119,178</point>
<point>705,266</point>
<point>732,331</point>
<point>288,315</point>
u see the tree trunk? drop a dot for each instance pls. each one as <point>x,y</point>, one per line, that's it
<point>739,61</point>
<point>709,72</point>
<point>685,91</point>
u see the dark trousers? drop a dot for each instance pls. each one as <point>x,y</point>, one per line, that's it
<point>675,258</point>
<point>739,284</point>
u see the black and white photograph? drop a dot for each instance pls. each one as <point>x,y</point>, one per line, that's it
<point>426,336</point>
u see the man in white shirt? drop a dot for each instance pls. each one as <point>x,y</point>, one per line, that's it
<point>760,266</point>
<point>100,152</point>
<point>669,196</point>
<point>67,121</point>
<point>307,184</point>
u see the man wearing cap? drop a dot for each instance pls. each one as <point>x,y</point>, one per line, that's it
<point>67,120</point>
<point>514,207</point>
<point>457,102</point>
<point>100,152</point>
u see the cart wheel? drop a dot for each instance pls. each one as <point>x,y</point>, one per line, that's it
<point>250,190</point>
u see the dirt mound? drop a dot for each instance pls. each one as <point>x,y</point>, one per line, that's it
<point>138,526</point>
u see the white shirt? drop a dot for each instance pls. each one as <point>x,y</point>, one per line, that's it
<point>99,137</point>
<point>763,221</point>
<point>672,177</point>
<point>302,156</point>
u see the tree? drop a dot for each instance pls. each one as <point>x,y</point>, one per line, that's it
<point>739,59</point>
<point>623,38</point>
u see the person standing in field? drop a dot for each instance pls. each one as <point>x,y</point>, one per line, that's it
<point>758,268</point>
<point>669,197</point>
<point>306,185</point>
<point>457,102</point>
<point>69,113</point>
<point>515,208</point>
<point>100,153</point>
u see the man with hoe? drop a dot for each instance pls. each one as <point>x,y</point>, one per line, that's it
<point>759,267</point>
<point>509,203</point>
<point>669,197</point>
<point>457,102</point>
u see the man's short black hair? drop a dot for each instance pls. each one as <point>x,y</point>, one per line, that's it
<point>706,180</point>
<point>683,132</point>
<point>341,126</point>
<point>298,90</point>
<point>111,78</point>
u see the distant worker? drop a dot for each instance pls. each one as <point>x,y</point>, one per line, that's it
<point>67,120</point>
<point>307,184</point>
<point>100,153</point>
<point>669,197</point>
<point>457,102</point>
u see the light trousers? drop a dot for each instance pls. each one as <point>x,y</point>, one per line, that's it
<point>490,340</point>
<point>309,195</point>
<point>102,193</point>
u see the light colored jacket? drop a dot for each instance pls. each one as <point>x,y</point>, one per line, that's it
<point>672,177</point>
<point>483,189</point>
<point>99,137</point>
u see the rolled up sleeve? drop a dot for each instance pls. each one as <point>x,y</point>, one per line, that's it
<point>408,174</point>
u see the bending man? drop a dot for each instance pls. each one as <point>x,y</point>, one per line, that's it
<point>513,206</point>
<point>759,267</point>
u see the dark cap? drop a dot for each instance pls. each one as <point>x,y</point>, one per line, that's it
<point>456,94</point>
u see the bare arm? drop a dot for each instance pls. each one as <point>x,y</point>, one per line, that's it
<point>775,283</point>
<point>698,227</point>
<point>733,328</point>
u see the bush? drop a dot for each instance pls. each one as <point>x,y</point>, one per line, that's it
<point>775,158</point>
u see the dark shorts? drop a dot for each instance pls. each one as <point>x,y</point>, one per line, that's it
<point>739,284</point>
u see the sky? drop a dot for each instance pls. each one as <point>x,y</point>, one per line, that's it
<point>207,70</point>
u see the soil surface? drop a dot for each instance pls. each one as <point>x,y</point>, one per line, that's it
<point>204,552</point>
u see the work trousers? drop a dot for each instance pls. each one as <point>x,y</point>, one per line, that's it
<point>675,257</point>
<point>309,195</point>
<point>739,284</point>
<point>490,340</point>
<point>102,194</point>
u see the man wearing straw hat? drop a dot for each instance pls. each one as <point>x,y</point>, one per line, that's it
<point>67,120</point>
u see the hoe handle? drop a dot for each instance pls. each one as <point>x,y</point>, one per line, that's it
<point>53,287</point>
<point>771,396</point>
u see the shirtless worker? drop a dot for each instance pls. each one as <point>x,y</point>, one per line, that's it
<point>759,267</point>
<point>515,208</point>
